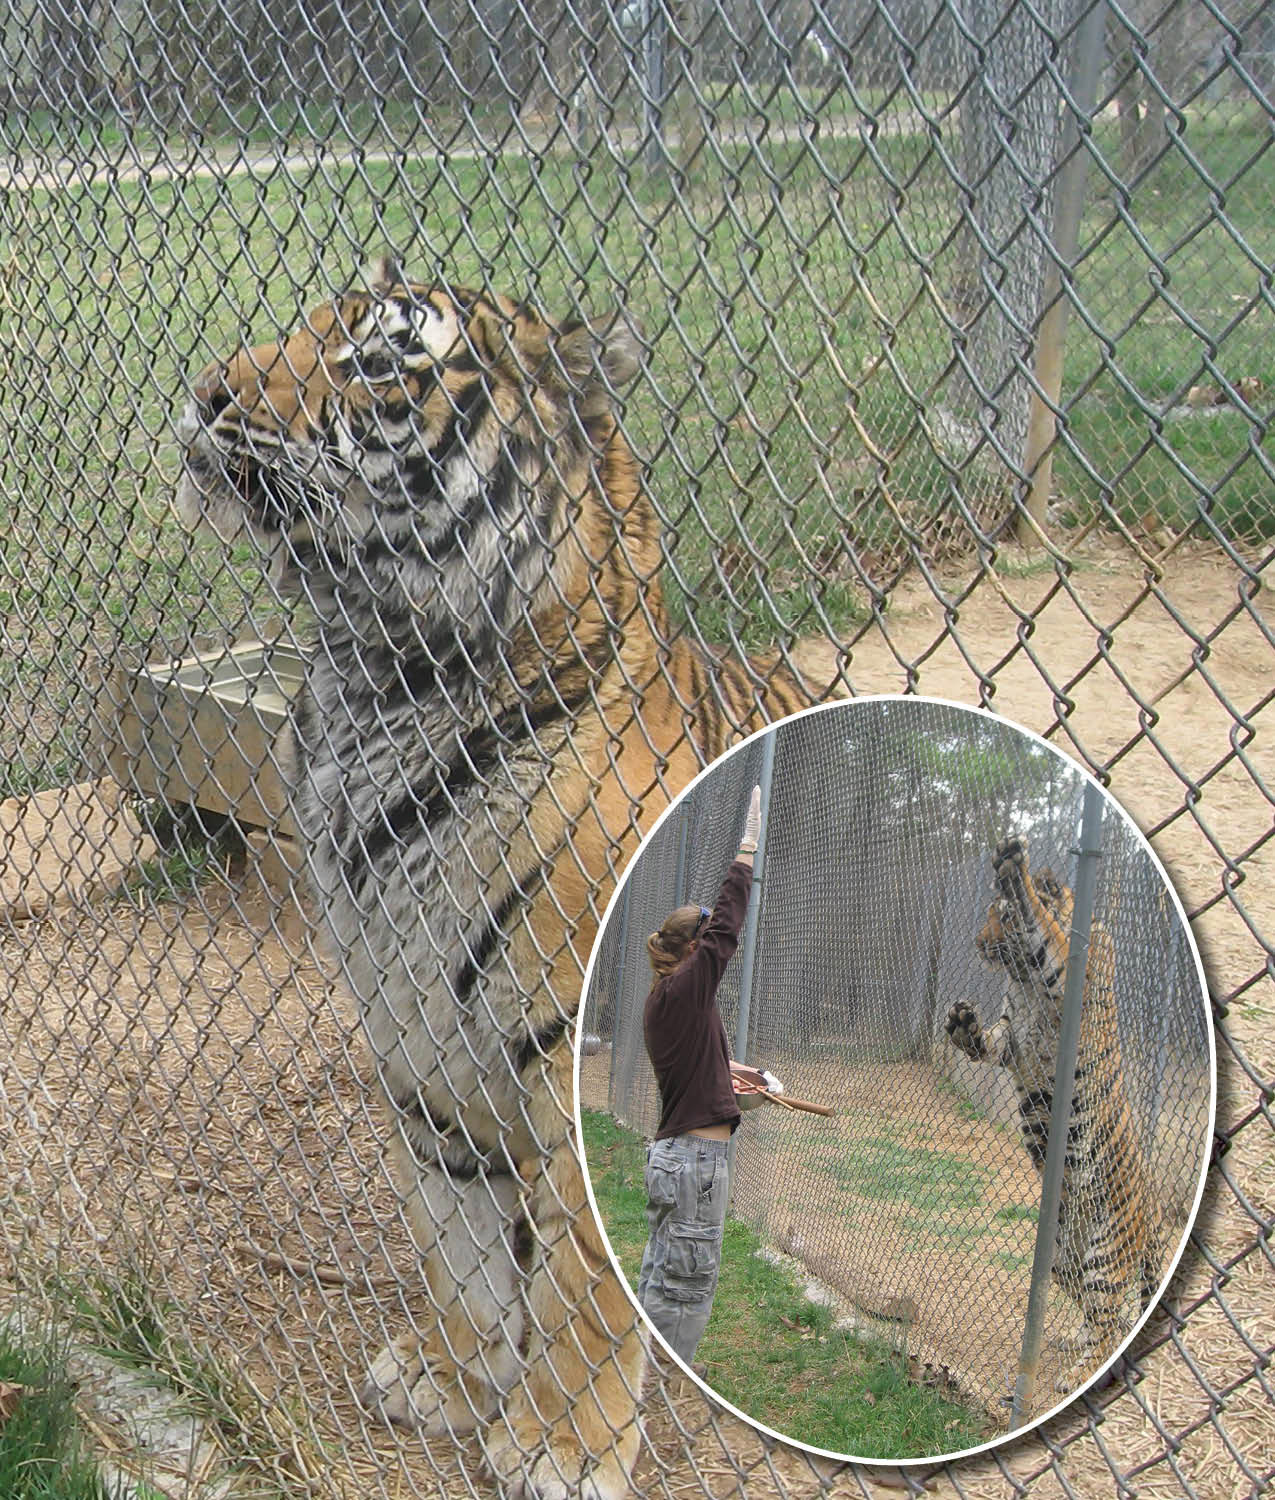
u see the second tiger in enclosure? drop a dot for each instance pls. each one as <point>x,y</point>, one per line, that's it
<point>495,703</point>
<point>1109,1245</point>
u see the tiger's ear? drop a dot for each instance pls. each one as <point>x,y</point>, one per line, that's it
<point>610,348</point>
<point>382,274</point>
<point>591,360</point>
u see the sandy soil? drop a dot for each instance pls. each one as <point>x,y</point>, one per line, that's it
<point>182,1076</point>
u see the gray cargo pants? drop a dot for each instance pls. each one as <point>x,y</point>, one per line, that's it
<point>687,1185</point>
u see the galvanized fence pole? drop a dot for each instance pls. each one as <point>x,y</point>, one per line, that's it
<point>749,956</point>
<point>653,39</point>
<point>1060,1106</point>
<point>1069,204</point>
<point>679,870</point>
<point>617,1049</point>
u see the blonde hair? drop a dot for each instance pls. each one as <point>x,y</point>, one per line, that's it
<point>670,945</point>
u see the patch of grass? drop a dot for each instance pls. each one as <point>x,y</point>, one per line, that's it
<point>1018,1213</point>
<point>932,1182</point>
<point>617,1169</point>
<point>942,1193</point>
<point>123,1318</point>
<point>126,1320</point>
<point>20,779</point>
<point>197,846</point>
<point>962,1103</point>
<point>799,360</point>
<point>769,1349</point>
<point>43,1455</point>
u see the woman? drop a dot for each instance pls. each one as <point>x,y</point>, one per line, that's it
<point>686,1172</point>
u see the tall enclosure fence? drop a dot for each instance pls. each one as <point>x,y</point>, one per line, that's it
<point>876,879</point>
<point>941,337</point>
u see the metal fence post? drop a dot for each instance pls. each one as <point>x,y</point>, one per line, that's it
<point>653,37</point>
<point>626,903</point>
<point>1060,1107</point>
<point>752,922</point>
<point>1046,393</point>
<point>679,870</point>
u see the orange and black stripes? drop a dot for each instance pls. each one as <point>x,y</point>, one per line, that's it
<point>1109,1248</point>
<point>495,705</point>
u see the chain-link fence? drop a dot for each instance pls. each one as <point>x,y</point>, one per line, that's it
<point>876,880</point>
<point>843,240</point>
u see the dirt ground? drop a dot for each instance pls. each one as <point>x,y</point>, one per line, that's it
<point>183,1076</point>
<point>902,1242</point>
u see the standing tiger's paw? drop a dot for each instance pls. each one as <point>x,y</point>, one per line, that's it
<point>534,1464</point>
<point>965,1031</point>
<point>1084,1352</point>
<point>1009,863</point>
<point>1071,1343</point>
<point>404,1390</point>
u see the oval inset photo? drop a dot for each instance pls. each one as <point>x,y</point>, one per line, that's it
<point>895,1080</point>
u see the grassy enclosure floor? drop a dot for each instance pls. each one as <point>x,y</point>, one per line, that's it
<point>772,1352</point>
<point>787,456</point>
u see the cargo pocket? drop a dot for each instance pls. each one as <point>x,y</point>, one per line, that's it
<point>711,1181</point>
<point>662,1178</point>
<point>690,1264</point>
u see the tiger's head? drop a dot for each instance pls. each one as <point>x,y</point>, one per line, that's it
<point>409,417</point>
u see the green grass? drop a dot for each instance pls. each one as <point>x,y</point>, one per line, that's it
<point>796,359</point>
<point>125,1319</point>
<point>942,1194</point>
<point>196,846</point>
<point>962,1103</point>
<point>43,1455</point>
<point>772,1352</point>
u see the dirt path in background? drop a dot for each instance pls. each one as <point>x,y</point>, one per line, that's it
<point>52,172</point>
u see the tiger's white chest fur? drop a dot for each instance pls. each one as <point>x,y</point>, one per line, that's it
<point>413,875</point>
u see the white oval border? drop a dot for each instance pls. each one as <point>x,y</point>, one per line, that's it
<point>842,705</point>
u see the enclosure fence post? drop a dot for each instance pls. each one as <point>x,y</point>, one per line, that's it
<point>679,869</point>
<point>1060,1105</point>
<point>1038,456</point>
<point>619,1039</point>
<point>653,35</point>
<point>749,955</point>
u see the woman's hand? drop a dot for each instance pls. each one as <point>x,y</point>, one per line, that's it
<point>752,825</point>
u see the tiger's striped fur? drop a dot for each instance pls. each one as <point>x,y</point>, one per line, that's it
<point>494,706</point>
<point>1108,1247</point>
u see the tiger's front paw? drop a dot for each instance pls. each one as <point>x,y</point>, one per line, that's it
<point>965,1031</point>
<point>534,1464</point>
<point>404,1389</point>
<point>1009,863</point>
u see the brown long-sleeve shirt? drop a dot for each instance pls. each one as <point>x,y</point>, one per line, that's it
<point>685,1038</point>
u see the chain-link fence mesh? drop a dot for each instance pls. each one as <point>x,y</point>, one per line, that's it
<point>876,880</point>
<point>838,231</point>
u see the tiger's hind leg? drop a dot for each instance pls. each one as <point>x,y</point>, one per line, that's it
<point>569,1427</point>
<point>1094,1269</point>
<point>450,1376</point>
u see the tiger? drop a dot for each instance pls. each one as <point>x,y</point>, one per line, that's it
<point>495,705</point>
<point>1108,1243</point>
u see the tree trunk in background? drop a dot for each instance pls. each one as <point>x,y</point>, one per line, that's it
<point>1009,124</point>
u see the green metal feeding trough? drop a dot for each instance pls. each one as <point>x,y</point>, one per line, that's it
<point>210,731</point>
